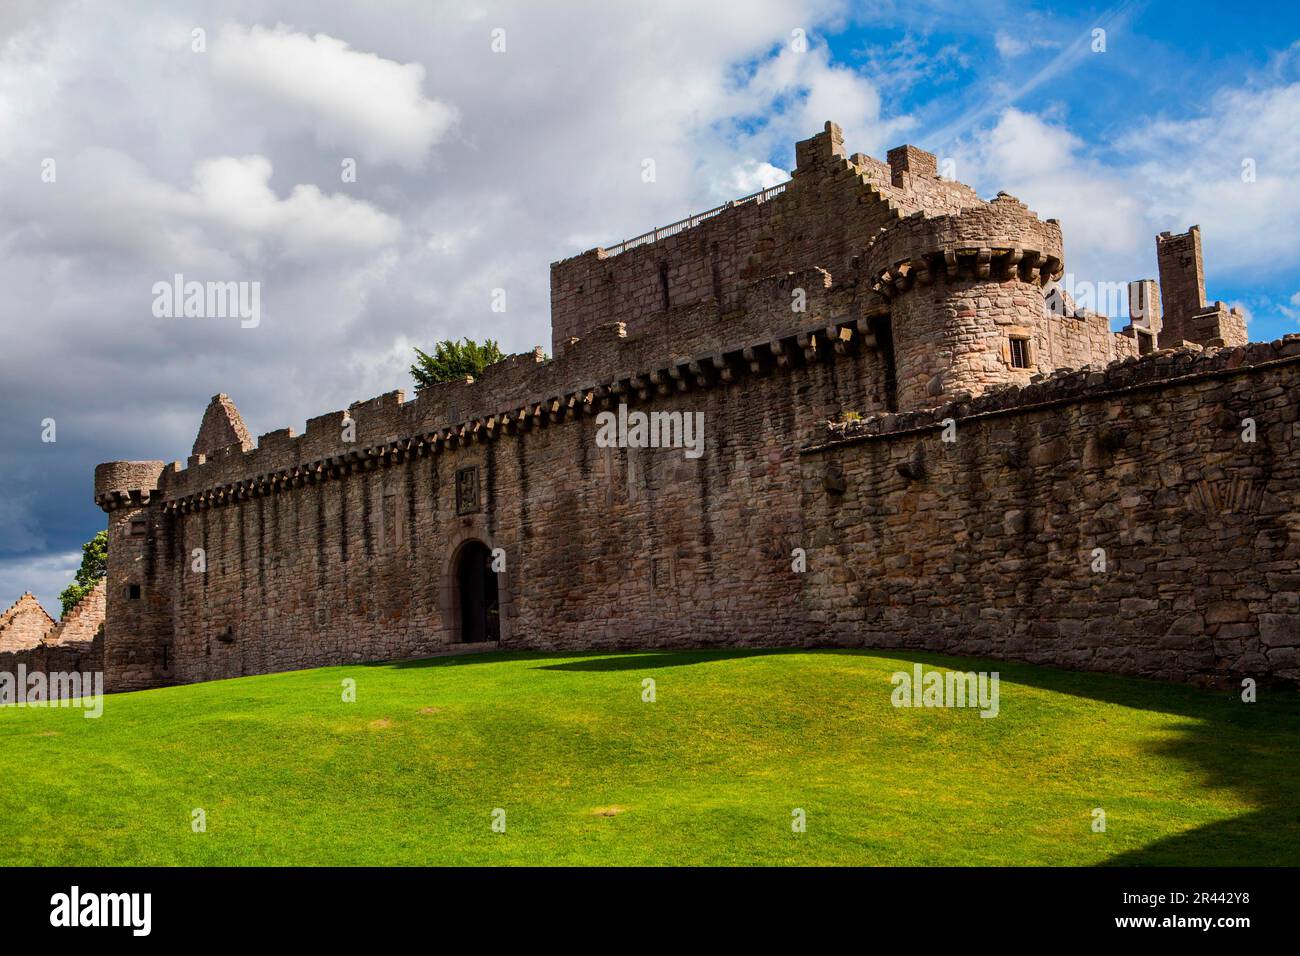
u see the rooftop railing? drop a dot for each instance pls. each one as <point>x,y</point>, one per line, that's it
<point>663,232</point>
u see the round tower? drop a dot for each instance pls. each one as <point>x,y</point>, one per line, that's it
<point>966,302</point>
<point>137,598</point>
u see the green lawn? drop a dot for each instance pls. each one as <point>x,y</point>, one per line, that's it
<point>709,773</point>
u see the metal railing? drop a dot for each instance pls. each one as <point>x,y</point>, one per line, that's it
<point>663,232</point>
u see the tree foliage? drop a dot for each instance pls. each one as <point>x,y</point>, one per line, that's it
<point>94,565</point>
<point>452,360</point>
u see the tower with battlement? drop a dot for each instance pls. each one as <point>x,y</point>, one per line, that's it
<point>1187,316</point>
<point>824,333</point>
<point>950,285</point>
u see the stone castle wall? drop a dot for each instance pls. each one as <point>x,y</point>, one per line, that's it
<point>985,545</point>
<point>72,656</point>
<point>83,622</point>
<point>604,546</point>
<point>861,289</point>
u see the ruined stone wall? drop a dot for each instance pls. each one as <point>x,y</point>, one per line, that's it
<point>78,656</point>
<point>83,622</point>
<point>649,548</point>
<point>985,546</point>
<point>1182,282</point>
<point>981,547</point>
<point>23,623</point>
<point>705,262</point>
<point>1187,315</point>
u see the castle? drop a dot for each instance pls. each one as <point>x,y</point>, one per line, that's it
<point>911,439</point>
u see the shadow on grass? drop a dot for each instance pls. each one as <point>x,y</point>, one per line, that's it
<point>1252,749</point>
<point>612,660</point>
<point>650,660</point>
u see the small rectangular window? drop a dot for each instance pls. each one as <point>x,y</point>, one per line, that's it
<point>133,592</point>
<point>1020,353</point>
<point>1145,342</point>
<point>137,528</point>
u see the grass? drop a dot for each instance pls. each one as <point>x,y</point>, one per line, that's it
<point>709,773</point>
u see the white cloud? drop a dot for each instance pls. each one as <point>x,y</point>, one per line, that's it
<point>1192,171</point>
<point>750,176</point>
<point>355,101</point>
<point>235,192</point>
<point>229,213</point>
<point>1291,311</point>
<point>790,97</point>
<point>1113,197</point>
<point>1009,46</point>
<point>1103,217</point>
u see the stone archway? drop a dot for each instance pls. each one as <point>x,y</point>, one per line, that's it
<point>478,598</point>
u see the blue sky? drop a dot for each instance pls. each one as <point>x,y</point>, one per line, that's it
<point>476,169</point>
<point>1164,63</point>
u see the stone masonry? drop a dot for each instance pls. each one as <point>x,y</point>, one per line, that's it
<point>24,623</point>
<point>829,330</point>
<point>30,637</point>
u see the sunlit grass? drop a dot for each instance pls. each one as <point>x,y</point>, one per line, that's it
<point>286,772</point>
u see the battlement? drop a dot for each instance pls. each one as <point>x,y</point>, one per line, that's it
<point>824,217</point>
<point>1003,239</point>
<point>126,481</point>
<point>833,251</point>
<point>519,393</point>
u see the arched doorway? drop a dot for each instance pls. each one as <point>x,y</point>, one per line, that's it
<point>476,591</point>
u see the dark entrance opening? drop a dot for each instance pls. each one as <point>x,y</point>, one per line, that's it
<point>476,583</point>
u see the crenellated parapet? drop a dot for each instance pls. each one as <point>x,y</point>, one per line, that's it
<point>600,372</point>
<point>126,484</point>
<point>1000,241</point>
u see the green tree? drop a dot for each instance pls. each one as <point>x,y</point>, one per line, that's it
<point>451,360</point>
<point>94,565</point>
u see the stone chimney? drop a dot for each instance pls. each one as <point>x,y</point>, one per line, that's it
<point>820,149</point>
<point>908,162</point>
